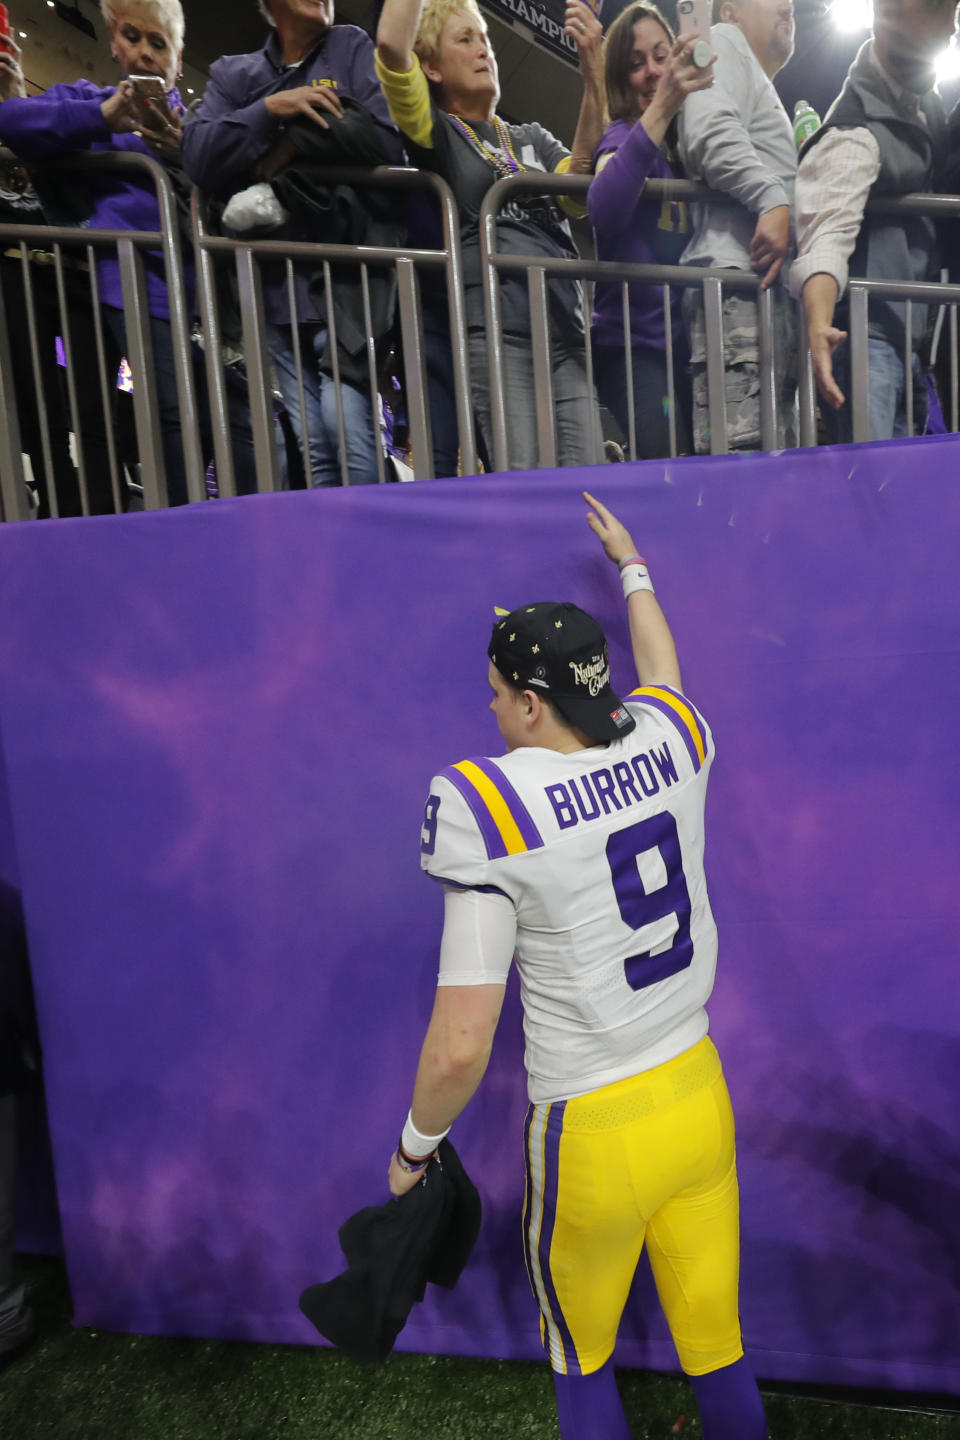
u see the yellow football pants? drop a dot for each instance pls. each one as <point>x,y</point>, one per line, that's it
<point>646,1159</point>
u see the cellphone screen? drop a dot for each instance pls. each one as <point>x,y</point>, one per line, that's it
<point>150,87</point>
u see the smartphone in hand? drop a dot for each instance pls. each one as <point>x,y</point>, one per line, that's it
<point>150,88</point>
<point>695,15</point>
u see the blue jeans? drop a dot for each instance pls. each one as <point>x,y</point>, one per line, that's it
<point>576,414</point>
<point>361,431</point>
<point>886,386</point>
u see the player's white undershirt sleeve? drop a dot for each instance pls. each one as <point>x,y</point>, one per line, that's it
<point>479,937</point>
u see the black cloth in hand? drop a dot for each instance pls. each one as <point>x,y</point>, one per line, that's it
<point>393,1251</point>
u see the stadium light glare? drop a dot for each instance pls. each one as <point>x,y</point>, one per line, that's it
<point>948,64</point>
<point>852,15</point>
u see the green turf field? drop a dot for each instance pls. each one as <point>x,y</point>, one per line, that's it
<point>90,1385</point>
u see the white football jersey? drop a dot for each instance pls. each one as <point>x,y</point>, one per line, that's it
<point>601,854</point>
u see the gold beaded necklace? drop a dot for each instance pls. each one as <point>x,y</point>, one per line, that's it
<point>504,161</point>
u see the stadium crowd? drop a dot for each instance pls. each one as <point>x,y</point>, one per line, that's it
<point>790,217</point>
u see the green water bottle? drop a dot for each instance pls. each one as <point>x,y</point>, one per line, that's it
<point>806,121</point>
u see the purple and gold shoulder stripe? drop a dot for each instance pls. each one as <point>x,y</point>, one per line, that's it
<point>504,821</point>
<point>681,715</point>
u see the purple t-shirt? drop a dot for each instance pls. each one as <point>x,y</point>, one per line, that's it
<point>629,228</point>
<point>66,118</point>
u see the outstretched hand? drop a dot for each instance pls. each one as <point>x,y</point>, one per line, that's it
<point>823,342</point>
<point>615,538</point>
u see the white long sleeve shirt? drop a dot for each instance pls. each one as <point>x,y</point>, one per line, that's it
<point>736,137</point>
<point>832,188</point>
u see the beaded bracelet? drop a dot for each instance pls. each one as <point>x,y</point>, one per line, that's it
<point>408,1165</point>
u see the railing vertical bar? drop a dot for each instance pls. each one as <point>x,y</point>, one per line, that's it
<point>908,363</point>
<point>807,384</point>
<point>39,388</point>
<point>216,379</point>
<point>180,319</point>
<point>954,375</point>
<point>766,337</point>
<point>453,275</point>
<point>671,378</point>
<point>491,300</point>
<point>258,368</point>
<point>716,365</point>
<point>628,368</point>
<point>411,337</point>
<point>372,370</point>
<point>108,385</point>
<point>337,382</point>
<point>298,365</point>
<point>542,377</point>
<point>859,363</point>
<point>591,387</point>
<point>140,356</point>
<point>76,424</point>
<point>13,483</point>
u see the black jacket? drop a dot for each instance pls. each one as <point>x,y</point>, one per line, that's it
<point>392,1251</point>
<point>340,215</point>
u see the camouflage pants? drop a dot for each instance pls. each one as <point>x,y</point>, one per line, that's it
<point>742,370</point>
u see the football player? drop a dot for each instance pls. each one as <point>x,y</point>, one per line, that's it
<point>581,851</point>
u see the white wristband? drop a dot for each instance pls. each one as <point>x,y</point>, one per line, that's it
<point>417,1145</point>
<point>634,576</point>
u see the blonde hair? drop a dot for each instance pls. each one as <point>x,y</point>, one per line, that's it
<point>167,15</point>
<point>264,7</point>
<point>434,17</point>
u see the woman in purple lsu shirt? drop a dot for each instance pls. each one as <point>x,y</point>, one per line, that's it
<point>648,75</point>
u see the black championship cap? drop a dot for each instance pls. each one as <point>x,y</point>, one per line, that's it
<point>561,651</point>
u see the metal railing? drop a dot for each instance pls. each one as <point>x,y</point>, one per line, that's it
<point>714,283</point>
<point>128,246</point>
<point>246,257</point>
<point>406,260</point>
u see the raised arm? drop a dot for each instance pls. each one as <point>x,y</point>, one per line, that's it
<point>586,32</point>
<point>396,32</point>
<point>654,652</point>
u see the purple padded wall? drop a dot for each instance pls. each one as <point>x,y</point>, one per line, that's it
<point>219,726</point>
